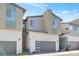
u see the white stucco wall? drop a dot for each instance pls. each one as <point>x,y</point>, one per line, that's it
<point>7,35</point>
<point>36,36</point>
<point>73,38</point>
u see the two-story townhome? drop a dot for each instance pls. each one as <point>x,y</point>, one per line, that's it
<point>70,38</point>
<point>43,32</point>
<point>11,28</point>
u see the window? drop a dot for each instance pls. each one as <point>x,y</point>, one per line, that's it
<point>8,12</point>
<point>78,28</point>
<point>11,11</point>
<point>73,28</point>
<point>33,23</point>
<point>55,24</point>
<point>70,28</point>
<point>10,16</point>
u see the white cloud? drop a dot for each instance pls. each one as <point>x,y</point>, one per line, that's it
<point>75,10</point>
<point>39,5</point>
<point>66,12</point>
<point>30,13</point>
<point>45,5</point>
<point>68,15</point>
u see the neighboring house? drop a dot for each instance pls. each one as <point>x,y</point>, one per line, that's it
<point>11,28</point>
<point>43,32</point>
<point>70,35</point>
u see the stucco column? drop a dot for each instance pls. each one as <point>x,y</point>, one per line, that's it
<point>57,45</point>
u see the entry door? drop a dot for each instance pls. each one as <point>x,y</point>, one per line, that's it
<point>63,41</point>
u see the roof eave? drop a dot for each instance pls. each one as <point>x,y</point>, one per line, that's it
<point>24,10</point>
<point>57,17</point>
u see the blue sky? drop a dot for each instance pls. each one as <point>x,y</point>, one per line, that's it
<point>66,11</point>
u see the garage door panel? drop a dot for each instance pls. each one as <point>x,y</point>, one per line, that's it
<point>73,45</point>
<point>7,48</point>
<point>45,46</point>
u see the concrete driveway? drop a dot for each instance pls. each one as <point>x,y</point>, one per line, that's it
<point>65,53</point>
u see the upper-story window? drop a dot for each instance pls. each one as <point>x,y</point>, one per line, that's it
<point>33,23</point>
<point>70,27</point>
<point>10,16</point>
<point>10,12</point>
<point>55,24</point>
<point>78,28</point>
<point>73,28</point>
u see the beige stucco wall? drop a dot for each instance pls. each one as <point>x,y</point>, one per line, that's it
<point>19,20</point>
<point>76,22</point>
<point>63,28</point>
<point>39,25</point>
<point>2,15</point>
<point>19,15</point>
<point>69,32</point>
<point>45,23</point>
<point>48,17</point>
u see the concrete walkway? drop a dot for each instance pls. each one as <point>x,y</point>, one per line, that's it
<point>66,53</point>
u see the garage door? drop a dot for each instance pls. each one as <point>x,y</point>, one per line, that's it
<point>73,45</point>
<point>45,46</point>
<point>7,48</point>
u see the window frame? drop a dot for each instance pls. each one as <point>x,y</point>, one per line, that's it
<point>12,19</point>
<point>54,24</point>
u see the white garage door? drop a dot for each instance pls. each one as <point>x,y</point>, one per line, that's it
<point>45,46</point>
<point>73,45</point>
<point>7,48</point>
